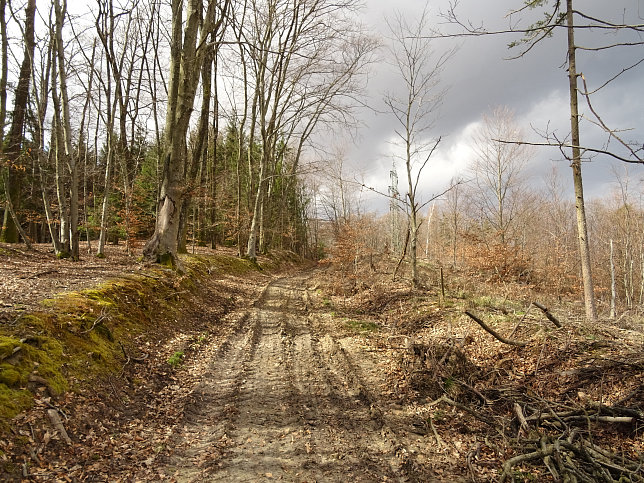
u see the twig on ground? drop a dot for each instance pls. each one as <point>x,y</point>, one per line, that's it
<point>494,333</point>
<point>130,358</point>
<point>439,440</point>
<point>58,425</point>
<point>523,424</point>
<point>521,321</point>
<point>99,320</point>
<point>470,454</point>
<point>548,314</point>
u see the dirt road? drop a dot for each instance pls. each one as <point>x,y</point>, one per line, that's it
<point>283,399</point>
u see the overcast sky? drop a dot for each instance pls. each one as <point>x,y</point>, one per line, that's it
<point>535,87</point>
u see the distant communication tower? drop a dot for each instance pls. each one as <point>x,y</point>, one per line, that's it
<point>394,211</point>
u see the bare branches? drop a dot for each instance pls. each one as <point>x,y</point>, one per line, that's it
<point>611,132</point>
<point>561,144</point>
<point>494,333</point>
<point>547,313</point>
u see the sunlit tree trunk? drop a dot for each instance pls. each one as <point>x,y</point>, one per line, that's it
<point>66,131</point>
<point>186,58</point>
<point>582,226</point>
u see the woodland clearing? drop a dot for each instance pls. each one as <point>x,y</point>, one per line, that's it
<point>333,373</point>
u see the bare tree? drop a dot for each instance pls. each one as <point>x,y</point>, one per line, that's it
<point>561,15</point>
<point>497,170</point>
<point>64,149</point>
<point>414,108</point>
<point>303,75</point>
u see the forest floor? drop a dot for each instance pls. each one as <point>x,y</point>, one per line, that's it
<point>321,374</point>
<point>29,276</point>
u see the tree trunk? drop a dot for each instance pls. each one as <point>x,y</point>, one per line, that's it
<point>186,60</point>
<point>251,247</point>
<point>4,68</point>
<point>582,226</point>
<point>613,285</point>
<point>14,142</point>
<point>66,133</point>
<point>106,194</point>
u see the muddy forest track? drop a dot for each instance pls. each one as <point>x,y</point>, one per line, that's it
<point>282,399</point>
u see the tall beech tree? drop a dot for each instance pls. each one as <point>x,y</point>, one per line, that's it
<point>189,46</point>
<point>303,74</point>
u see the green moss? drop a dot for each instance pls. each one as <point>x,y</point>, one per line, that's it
<point>12,401</point>
<point>167,260</point>
<point>7,346</point>
<point>46,356</point>
<point>362,326</point>
<point>9,375</point>
<point>99,295</point>
<point>64,345</point>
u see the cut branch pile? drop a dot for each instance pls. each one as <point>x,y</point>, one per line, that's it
<point>567,440</point>
<point>576,459</point>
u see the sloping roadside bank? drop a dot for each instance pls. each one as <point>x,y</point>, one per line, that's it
<point>89,353</point>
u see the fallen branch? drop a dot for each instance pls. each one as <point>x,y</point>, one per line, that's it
<point>130,358</point>
<point>515,460</point>
<point>98,321</point>
<point>548,314</point>
<point>439,440</point>
<point>58,425</point>
<point>601,414</point>
<point>496,335</point>
<point>523,424</point>
<point>474,453</point>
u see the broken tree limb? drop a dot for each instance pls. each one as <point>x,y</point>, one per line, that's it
<point>539,454</point>
<point>523,424</point>
<point>494,333</point>
<point>548,314</point>
<point>98,321</point>
<point>58,425</point>
<point>439,440</point>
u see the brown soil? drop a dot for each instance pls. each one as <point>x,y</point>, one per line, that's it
<point>283,398</point>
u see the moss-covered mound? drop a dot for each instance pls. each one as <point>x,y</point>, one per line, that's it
<point>81,336</point>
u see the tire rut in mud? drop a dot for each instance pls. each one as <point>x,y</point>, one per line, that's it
<point>282,400</point>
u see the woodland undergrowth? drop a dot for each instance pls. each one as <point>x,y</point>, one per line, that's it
<point>559,399</point>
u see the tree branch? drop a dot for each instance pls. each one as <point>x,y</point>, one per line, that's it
<point>496,335</point>
<point>583,148</point>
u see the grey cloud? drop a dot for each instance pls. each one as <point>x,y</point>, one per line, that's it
<point>479,78</point>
